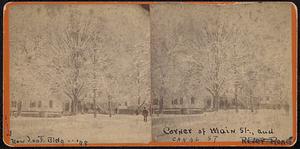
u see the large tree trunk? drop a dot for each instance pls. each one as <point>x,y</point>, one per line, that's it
<point>235,99</point>
<point>251,101</point>
<point>218,103</point>
<point>74,106</point>
<point>215,102</point>
<point>236,105</point>
<point>251,105</point>
<point>109,107</point>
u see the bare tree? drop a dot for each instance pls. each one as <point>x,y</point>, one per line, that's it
<point>70,49</point>
<point>218,53</point>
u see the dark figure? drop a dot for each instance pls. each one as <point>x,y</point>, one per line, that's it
<point>137,111</point>
<point>116,111</point>
<point>145,114</point>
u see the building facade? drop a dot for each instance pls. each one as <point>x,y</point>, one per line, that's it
<point>36,108</point>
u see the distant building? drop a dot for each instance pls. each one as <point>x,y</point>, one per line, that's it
<point>178,105</point>
<point>126,108</point>
<point>36,108</point>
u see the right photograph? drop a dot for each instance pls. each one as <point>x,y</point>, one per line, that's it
<point>221,73</point>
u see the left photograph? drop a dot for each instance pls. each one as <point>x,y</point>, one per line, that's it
<point>79,74</point>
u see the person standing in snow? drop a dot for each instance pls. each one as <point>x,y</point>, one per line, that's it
<point>145,114</point>
<point>137,111</point>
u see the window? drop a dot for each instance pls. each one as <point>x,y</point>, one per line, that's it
<point>175,102</point>
<point>193,100</point>
<point>125,103</point>
<point>181,100</point>
<point>155,101</point>
<point>50,104</point>
<point>40,104</point>
<point>14,104</point>
<point>32,104</point>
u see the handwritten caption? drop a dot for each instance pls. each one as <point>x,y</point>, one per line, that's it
<point>48,140</point>
<point>247,135</point>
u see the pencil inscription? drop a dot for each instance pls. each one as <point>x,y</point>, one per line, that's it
<point>47,140</point>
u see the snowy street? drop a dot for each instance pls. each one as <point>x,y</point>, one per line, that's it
<point>117,129</point>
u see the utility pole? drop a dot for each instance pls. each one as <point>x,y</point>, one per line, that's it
<point>94,83</point>
<point>235,83</point>
<point>235,96</point>
<point>162,90</point>
<point>252,75</point>
<point>95,107</point>
<point>236,90</point>
<point>138,83</point>
<point>109,105</point>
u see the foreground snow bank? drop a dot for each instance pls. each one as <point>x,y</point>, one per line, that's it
<point>103,129</point>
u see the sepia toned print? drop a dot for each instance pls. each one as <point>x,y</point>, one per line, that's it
<point>221,73</point>
<point>150,74</point>
<point>79,74</point>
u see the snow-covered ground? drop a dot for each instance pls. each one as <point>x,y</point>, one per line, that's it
<point>103,129</point>
<point>277,120</point>
<point>132,129</point>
